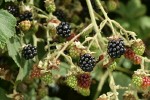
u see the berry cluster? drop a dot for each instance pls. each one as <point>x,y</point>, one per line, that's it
<point>129,54</point>
<point>87,62</point>
<point>12,8</point>
<point>29,51</point>
<point>26,15</point>
<point>116,48</point>
<point>64,29</point>
<point>141,81</point>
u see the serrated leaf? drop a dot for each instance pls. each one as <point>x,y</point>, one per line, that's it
<point>128,11</point>
<point>7,25</point>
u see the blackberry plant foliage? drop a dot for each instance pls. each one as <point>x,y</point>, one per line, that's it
<point>46,45</point>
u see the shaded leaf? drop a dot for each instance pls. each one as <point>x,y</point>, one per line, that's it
<point>13,45</point>
<point>9,0</point>
<point>7,23</point>
<point>3,95</point>
<point>122,80</point>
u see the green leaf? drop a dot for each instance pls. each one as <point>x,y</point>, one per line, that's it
<point>63,69</point>
<point>3,94</point>
<point>122,80</point>
<point>13,45</point>
<point>1,1</point>
<point>24,70</point>
<point>51,98</point>
<point>7,25</point>
<point>9,0</point>
<point>133,9</point>
<point>144,22</point>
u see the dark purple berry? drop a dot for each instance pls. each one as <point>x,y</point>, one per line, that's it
<point>87,62</point>
<point>29,52</point>
<point>12,8</point>
<point>116,48</point>
<point>64,29</point>
<point>60,15</point>
<point>27,15</point>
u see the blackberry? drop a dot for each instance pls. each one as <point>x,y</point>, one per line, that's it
<point>29,52</point>
<point>12,8</point>
<point>27,15</point>
<point>116,48</point>
<point>60,15</point>
<point>64,29</point>
<point>87,62</point>
<point>84,80</point>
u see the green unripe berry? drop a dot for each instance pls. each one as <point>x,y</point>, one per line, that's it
<point>47,78</point>
<point>71,81</point>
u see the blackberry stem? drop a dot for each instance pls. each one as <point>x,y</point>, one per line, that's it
<point>95,25</point>
<point>112,85</point>
<point>101,83</point>
<point>106,17</point>
<point>72,40</point>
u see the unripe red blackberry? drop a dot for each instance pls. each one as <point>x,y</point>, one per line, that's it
<point>12,8</point>
<point>137,60</point>
<point>64,29</point>
<point>84,80</point>
<point>36,72</point>
<point>116,48</point>
<point>29,51</point>
<point>87,62</point>
<point>129,54</point>
<point>26,15</point>
<point>146,82</point>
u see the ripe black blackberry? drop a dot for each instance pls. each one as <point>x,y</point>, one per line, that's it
<point>27,15</point>
<point>64,29</point>
<point>29,52</point>
<point>116,48</point>
<point>87,62</point>
<point>60,15</point>
<point>12,8</point>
